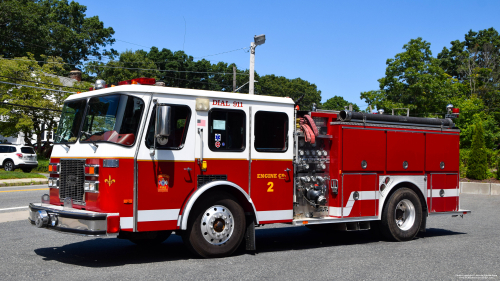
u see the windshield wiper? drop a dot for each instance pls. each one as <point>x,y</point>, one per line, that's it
<point>88,137</point>
<point>63,143</point>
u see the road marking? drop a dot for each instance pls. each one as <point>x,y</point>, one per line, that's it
<point>13,216</point>
<point>14,208</point>
<point>24,190</point>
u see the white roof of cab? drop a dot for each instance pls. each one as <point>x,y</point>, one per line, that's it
<point>181,91</point>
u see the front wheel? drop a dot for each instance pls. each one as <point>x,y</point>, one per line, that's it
<point>216,226</point>
<point>402,215</point>
<point>8,166</point>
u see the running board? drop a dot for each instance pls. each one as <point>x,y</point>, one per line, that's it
<point>453,214</point>
<point>331,220</point>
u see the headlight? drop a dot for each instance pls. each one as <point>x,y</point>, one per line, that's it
<point>91,186</point>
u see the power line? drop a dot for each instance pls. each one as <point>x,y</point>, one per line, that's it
<point>19,79</point>
<point>137,68</point>
<point>132,43</point>
<point>27,106</point>
<point>22,85</point>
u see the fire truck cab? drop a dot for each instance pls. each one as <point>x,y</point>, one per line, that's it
<point>141,161</point>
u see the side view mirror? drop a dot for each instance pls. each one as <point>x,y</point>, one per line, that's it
<point>162,126</point>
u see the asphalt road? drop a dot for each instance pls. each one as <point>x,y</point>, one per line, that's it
<point>18,196</point>
<point>452,249</point>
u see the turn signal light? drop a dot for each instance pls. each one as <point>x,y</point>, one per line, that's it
<point>127,201</point>
<point>54,168</point>
<point>91,170</point>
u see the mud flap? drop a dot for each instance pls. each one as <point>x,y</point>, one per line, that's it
<point>250,234</point>
<point>423,224</point>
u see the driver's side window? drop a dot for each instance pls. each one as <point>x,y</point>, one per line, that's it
<point>179,123</point>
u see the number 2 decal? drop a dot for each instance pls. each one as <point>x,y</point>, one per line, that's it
<point>270,184</point>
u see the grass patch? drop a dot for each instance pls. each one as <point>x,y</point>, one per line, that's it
<point>18,174</point>
<point>43,165</point>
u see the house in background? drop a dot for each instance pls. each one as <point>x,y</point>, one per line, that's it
<point>74,76</point>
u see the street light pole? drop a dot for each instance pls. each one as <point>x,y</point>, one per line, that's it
<point>252,65</point>
<point>257,40</point>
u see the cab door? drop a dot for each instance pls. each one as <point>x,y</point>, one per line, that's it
<point>166,179</point>
<point>272,163</point>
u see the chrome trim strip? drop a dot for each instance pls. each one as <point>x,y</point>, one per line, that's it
<point>332,220</point>
<point>249,150</point>
<point>136,168</point>
<point>452,213</point>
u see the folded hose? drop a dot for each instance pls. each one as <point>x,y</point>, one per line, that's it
<point>308,128</point>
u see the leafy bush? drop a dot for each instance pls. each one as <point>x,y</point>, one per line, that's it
<point>464,157</point>
<point>478,159</point>
<point>43,165</point>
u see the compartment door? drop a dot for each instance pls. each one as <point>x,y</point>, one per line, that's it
<point>405,151</point>
<point>359,195</point>
<point>443,193</point>
<point>363,146</point>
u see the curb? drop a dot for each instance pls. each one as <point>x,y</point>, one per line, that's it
<point>480,188</point>
<point>21,183</point>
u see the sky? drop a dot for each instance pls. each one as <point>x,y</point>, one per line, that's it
<point>340,46</point>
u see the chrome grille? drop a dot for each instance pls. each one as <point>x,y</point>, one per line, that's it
<point>72,179</point>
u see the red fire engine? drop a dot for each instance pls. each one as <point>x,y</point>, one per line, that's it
<point>140,161</point>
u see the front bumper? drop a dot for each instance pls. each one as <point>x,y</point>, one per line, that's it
<point>74,221</point>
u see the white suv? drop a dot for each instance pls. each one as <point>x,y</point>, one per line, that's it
<point>18,156</point>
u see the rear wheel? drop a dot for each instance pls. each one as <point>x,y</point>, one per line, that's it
<point>8,166</point>
<point>402,215</point>
<point>26,170</point>
<point>216,226</point>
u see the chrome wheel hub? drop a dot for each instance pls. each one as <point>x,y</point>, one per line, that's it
<point>404,214</point>
<point>217,225</point>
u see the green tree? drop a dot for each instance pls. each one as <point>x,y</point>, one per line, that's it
<point>472,111</point>
<point>475,62</point>
<point>414,80</point>
<point>52,28</point>
<point>272,85</point>
<point>477,167</point>
<point>338,103</point>
<point>178,69</point>
<point>128,66</point>
<point>28,118</point>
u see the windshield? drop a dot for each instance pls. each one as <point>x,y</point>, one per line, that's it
<point>113,118</point>
<point>71,120</point>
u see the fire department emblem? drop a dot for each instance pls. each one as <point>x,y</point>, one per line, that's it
<point>163,183</point>
<point>217,144</point>
<point>109,181</point>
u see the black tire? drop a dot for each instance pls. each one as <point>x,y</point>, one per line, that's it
<point>401,216</point>
<point>26,170</point>
<point>228,229</point>
<point>151,238</point>
<point>8,166</point>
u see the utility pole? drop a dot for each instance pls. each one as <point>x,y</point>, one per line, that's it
<point>258,40</point>
<point>234,78</point>
<point>252,63</point>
